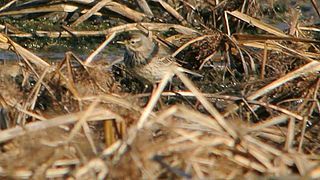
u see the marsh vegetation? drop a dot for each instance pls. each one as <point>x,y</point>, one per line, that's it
<point>69,108</point>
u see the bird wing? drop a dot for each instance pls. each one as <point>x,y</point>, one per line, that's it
<point>168,61</point>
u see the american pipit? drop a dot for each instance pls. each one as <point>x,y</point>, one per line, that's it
<point>148,60</point>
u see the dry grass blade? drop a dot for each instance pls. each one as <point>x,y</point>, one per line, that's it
<point>290,135</point>
<point>303,131</point>
<point>35,91</point>
<point>255,22</point>
<point>277,108</point>
<point>304,28</point>
<point>243,161</point>
<point>83,123</point>
<point>199,118</point>
<point>95,165</point>
<point>242,38</point>
<point>154,98</point>
<point>8,5</point>
<point>315,5</point>
<point>252,113</point>
<point>212,110</point>
<point>48,8</point>
<point>263,157</point>
<point>264,146</point>
<point>118,100</point>
<point>264,61</point>
<point>172,11</point>
<point>50,173</point>
<point>121,28</point>
<point>267,123</point>
<point>96,115</point>
<point>145,7</point>
<point>125,11</point>
<point>181,48</point>
<point>32,98</point>
<point>298,53</point>
<point>272,45</point>
<point>100,48</point>
<point>315,173</point>
<point>89,13</point>
<point>24,52</point>
<point>311,67</point>
<point>111,149</point>
<point>260,45</point>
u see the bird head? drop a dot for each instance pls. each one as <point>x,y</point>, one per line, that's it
<point>138,42</point>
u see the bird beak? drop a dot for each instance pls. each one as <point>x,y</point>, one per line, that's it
<point>122,42</point>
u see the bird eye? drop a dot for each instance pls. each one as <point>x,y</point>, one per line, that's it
<point>132,42</point>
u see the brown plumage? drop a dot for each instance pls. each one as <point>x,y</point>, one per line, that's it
<point>148,60</point>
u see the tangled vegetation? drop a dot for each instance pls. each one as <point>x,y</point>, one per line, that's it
<point>254,112</point>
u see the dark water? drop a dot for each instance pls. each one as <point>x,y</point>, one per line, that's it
<point>108,54</point>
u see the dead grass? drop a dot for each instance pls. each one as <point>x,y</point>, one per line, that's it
<point>254,112</point>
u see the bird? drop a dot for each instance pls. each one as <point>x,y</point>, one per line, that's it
<point>148,60</point>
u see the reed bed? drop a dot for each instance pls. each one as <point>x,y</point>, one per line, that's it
<point>253,114</point>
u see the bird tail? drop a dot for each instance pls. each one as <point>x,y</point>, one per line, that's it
<point>181,69</point>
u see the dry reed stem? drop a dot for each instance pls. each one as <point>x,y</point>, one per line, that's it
<point>145,7</point>
<point>153,100</point>
<point>213,111</point>
<point>311,67</point>
<point>315,5</point>
<point>315,173</point>
<point>65,7</point>
<point>109,133</point>
<point>95,165</point>
<point>277,108</point>
<point>290,135</point>
<point>172,11</point>
<point>199,118</point>
<point>100,48</point>
<point>303,131</point>
<point>30,102</point>
<point>114,99</point>
<point>83,123</point>
<point>125,11</point>
<point>7,5</point>
<point>190,94</point>
<point>264,60</point>
<point>242,38</point>
<point>198,142</point>
<point>269,122</point>
<point>245,68</point>
<point>110,150</point>
<point>257,23</point>
<point>263,157</point>
<point>181,48</point>
<point>207,59</point>
<point>24,52</point>
<point>304,28</point>
<point>90,12</point>
<point>97,115</point>
<point>50,173</point>
<point>120,28</point>
<point>35,91</point>
<point>41,9</point>
<point>31,114</point>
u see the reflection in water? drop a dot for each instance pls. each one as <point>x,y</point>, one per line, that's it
<point>107,54</point>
